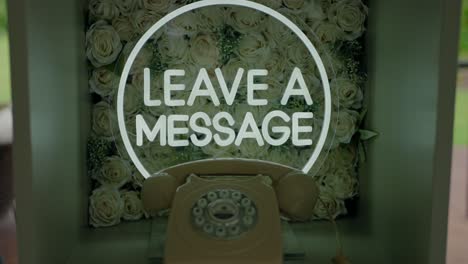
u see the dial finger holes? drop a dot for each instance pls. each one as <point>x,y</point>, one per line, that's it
<point>224,214</point>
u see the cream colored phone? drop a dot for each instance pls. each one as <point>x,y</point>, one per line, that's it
<point>228,219</point>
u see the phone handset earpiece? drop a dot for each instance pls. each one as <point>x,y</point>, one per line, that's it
<point>158,192</point>
<point>297,194</point>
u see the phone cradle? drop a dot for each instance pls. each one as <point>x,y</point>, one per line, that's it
<point>224,220</point>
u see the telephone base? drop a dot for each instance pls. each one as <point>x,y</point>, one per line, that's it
<point>292,250</point>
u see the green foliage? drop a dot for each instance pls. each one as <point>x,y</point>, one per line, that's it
<point>3,16</point>
<point>98,149</point>
<point>460,132</point>
<point>4,56</point>
<point>351,53</point>
<point>367,134</point>
<point>463,51</point>
<point>228,40</point>
<point>4,70</point>
<point>156,63</point>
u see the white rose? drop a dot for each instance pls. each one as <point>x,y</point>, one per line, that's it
<point>143,58</point>
<point>105,207</point>
<point>103,9</point>
<point>328,206</point>
<point>211,18</point>
<point>278,32</point>
<point>102,44</point>
<point>276,65</point>
<point>156,91</point>
<point>320,164</point>
<point>274,92</point>
<point>350,16</point>
<point>173,49</point>
<point>130,124</point>
<point>314,84</point>
<point>334,64</point>
<point>331,142</point>
<point>127,6</point>
<point>245,20</point>
<point>346,93</point>
<point>258,113</point>
<point>114,171</point>
<point>121,149</point>
<point>304,156</point>
<point>283,155</point>
<point>188,80</point>
<point>144,19</point>
<point>133,207</point>
<point>230,70</point>
<point>342,157</point>
<point>137,180</point>
<point>275,4</point>
<point>345,125</point>
<point>298,55</point>
<point>191,73</point>
<point>156,82</point>
<point>325,4</point>
<point>303,12</point>
<point>133,99</point>
<point>160,6</point>
<point>253,48</point>
<point>124,28</point>
<point>297,16</point>
<point>346,156</point>
<point>186,24</point>
<point>158,157</point>
<point>138,79</point>
<point>104,120</point>
<point>317,124</point>
<point>276,155</point>
<point>294,4</point>
<point>277,121</point>
<point>216,151</point>
<point>204,51</point>
<point>327,32</point>
<point>201,104</point>
<point>295,104</point>
<point>250,149</point>
<point>342,182</point>
<point>313,11</point>
<point>103,82</point>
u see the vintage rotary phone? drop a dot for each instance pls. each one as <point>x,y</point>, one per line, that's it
<point>228,211</point>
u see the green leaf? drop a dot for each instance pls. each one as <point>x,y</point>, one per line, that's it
<point>367,134</point>
<point>361,152</point>
<point>362,114</point>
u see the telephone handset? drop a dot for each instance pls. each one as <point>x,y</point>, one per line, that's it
<point>234,218</point>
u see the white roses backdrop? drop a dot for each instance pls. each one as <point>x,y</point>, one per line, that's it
<point>228,38</point>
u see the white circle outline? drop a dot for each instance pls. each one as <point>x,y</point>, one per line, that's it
<point>205,3</point>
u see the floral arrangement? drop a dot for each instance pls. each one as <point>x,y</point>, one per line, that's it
<point>226,38</point>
